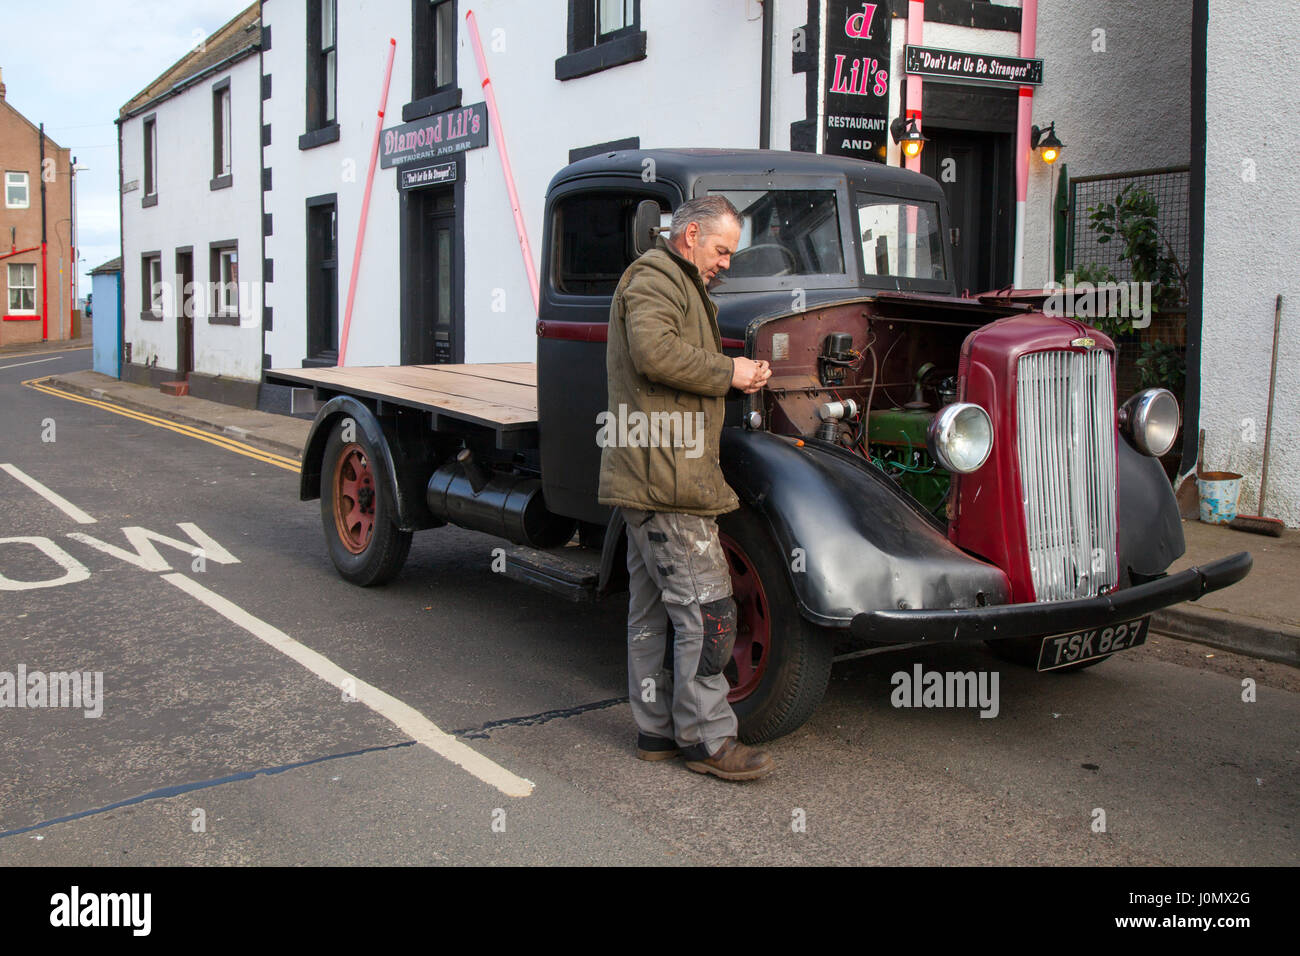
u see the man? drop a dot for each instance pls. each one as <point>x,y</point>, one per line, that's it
<point>664,358</point>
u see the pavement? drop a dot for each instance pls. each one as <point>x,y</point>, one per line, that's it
<point>1258,617</point>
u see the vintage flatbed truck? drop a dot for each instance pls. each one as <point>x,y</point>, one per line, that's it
<point>922,467</point>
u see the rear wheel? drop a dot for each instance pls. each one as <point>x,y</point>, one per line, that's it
<point>780,664</point>
<point>358,512</point>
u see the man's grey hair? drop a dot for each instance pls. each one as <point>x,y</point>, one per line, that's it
<point>709,211</point>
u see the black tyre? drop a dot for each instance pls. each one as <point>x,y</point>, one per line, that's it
<point>781,664</point>
<point>358,512</point>
<point>1024,650</point>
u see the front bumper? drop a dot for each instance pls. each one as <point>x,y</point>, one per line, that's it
<point>1043,619</point>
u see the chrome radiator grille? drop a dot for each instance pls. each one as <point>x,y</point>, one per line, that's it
<point>1066,413</point>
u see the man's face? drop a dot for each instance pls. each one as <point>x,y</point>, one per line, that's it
<point>711,253</point>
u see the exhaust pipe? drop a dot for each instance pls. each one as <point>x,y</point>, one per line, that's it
<point>463,493</point>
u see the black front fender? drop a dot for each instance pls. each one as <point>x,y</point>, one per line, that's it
<point>860,543</point>
<point>1150,528</point>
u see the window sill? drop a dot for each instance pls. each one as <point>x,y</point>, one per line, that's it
<point>148,316</point>
<point>602,56</point>
<point>319,137</point>
<point>428,105</point>
<point>148,201</point>
<point>323,361</point>
<point>220,182</point>
<point>28,205</point>
<point>22,317</point>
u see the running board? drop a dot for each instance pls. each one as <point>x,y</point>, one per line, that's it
<point>570,573</point>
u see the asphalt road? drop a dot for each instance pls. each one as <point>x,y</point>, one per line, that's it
<point>216,746</point>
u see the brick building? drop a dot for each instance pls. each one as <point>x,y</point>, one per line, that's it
<point>26,316</point>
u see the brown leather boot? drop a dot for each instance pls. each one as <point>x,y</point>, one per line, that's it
<point>735,761</point>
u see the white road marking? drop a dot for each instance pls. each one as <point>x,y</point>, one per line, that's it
<point>63,504</point>
<point>405,717</point>
<point>73,570</point>
<point>36,362</point>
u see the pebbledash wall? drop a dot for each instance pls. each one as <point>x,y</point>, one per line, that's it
<point>1117,83</point>
<point>188,214</point>
<point>1252,250</point>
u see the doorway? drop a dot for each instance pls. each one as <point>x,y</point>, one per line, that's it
<point>432,328</point>
<point>974,169</point>
<point>184,299</point>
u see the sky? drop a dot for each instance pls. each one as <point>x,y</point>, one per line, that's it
<point>72,64</point>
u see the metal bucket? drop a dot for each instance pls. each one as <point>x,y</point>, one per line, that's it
<point>1218,492</point>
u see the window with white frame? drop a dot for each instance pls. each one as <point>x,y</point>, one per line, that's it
<point>22,288</point>
<point>613,16</point>
<point>433,47</point>
<point>221,132</point>
<point>602,34</point>
<point>322,63</point>
<point>152,291</point>
<point>150,157</point>
<point>17,191</point>
<point>225,274</point>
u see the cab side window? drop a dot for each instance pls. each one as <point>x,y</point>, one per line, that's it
<point>593,241</point>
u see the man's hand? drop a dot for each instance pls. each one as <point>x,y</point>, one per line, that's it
<point>749,376</point>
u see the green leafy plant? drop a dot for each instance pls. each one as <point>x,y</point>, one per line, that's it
<point>1162,365</point>
<point>1114,326</point>
<point>1133,219</point>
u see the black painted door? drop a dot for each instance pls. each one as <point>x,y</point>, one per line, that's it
<point>184,314</point>
<point>975,171</point>
<point>431,321</point>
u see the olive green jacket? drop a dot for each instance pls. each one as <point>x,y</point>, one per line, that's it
<point>664,359</point>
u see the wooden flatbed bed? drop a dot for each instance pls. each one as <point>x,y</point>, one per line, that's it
<point>500,396</point>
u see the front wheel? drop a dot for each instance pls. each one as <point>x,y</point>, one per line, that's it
<point>781,664</point>
<point>358,511</point>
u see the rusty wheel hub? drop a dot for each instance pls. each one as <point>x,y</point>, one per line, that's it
<point>354,499</point>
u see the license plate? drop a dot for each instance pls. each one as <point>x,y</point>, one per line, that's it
<point>1062,649</point>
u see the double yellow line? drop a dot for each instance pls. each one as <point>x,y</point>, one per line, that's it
<point>229,444</point>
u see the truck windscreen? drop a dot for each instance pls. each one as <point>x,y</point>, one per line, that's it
<point>899,238</point>
<point>785,232</point>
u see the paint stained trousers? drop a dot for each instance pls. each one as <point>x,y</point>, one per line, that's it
<point>678,572</point>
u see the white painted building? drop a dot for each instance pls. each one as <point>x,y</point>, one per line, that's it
<point>191,220</point>
<point>661,74</point>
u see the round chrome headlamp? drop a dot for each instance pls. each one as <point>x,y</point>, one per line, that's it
<point>960,437</point>
<point>1149,420</point>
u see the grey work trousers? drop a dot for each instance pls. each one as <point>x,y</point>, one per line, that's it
<point>678,571</point>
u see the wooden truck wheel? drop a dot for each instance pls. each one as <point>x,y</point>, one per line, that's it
<point>358,512</point>
<point>780,665</point>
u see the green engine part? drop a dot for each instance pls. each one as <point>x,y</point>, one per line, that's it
<point>896,441</point>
